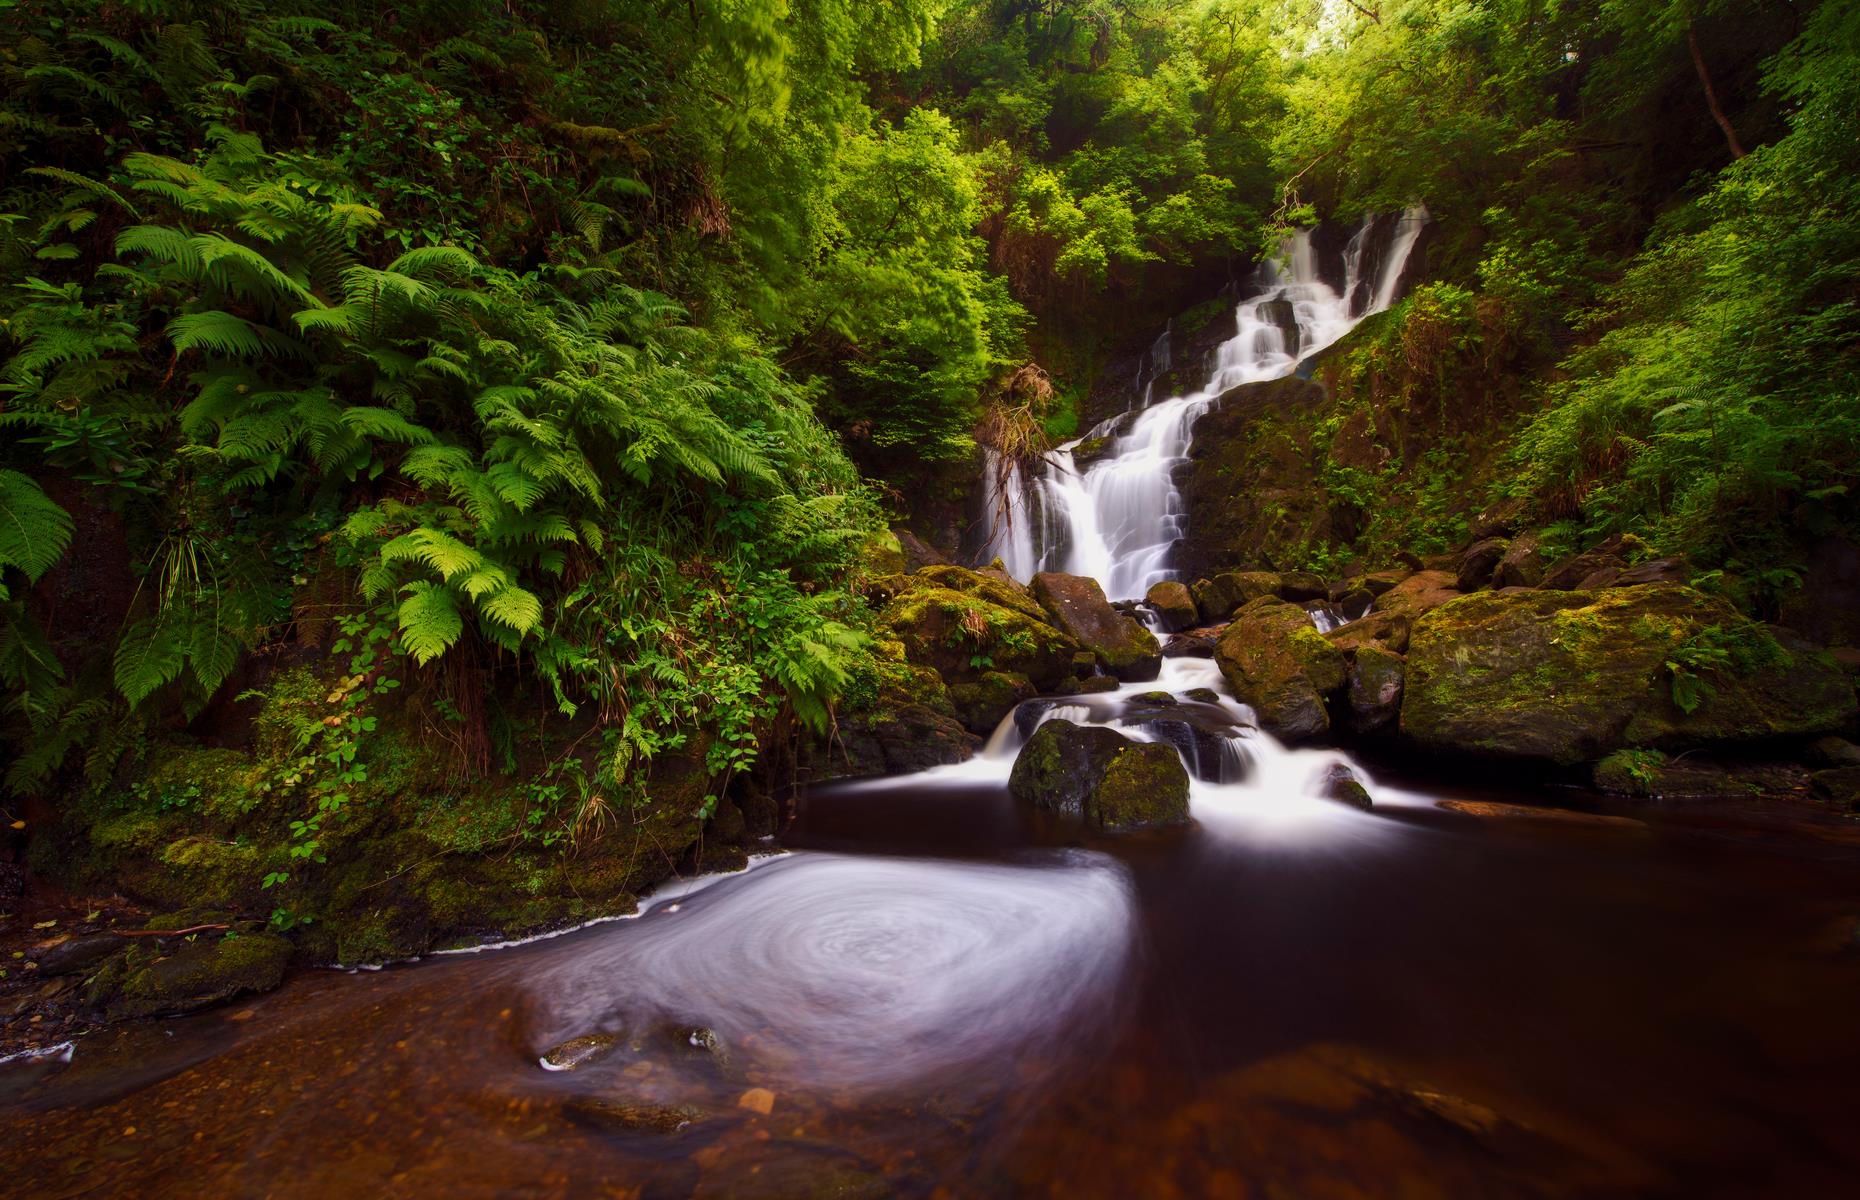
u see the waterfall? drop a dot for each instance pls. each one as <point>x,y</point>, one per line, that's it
<point>1118,519</point>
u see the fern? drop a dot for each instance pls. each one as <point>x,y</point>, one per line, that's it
<point>34,531</point>
<point>429,621</point>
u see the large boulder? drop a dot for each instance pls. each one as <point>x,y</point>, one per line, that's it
<point>1217,598</point>
<point>170,975</point>
<point>1277,663</point>
<point>1567,677</point>
<point>1078,606</point>
<point>963,624</point>
<point>906,723</point>
<point>980,705</point>
<point>1418,593</point>
<point>1174,605</point>
<point>1387,630</point>
<point>1101,776</point>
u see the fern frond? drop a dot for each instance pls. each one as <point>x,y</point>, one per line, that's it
<point>429,621</point>
<point>34,531</point>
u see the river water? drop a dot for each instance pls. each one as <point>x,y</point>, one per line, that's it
<point>937,993</point>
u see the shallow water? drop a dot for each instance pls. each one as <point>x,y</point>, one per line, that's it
<point>939,994</point>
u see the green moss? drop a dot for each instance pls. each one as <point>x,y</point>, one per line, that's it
<point>1145,784</point>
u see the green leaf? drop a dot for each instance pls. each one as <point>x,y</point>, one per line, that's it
<point>429,621</point>
<point>33,530</point>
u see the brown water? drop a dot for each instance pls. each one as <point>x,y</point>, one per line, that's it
<point>936,995</point>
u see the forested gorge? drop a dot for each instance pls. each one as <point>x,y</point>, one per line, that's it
<point>462,464</point>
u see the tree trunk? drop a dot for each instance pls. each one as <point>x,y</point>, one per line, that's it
<point>1711,94</point>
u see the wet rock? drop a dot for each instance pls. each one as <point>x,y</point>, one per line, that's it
<point>1096,684</point>
<point>1298,586</point>
<point>1174,605</point>
<point>1378,582</point>
<point>1834,752</point>
<point>74,956</point>
<point>1101,776</point>
<point>1209,742</point>
<point>981,704</point>
<point>918,553</point>
<point>1274,661</point>
<point>1341,784</point>
<point>1418,593</point>
<point>1375,686</point>
<point>1568,677</point>
<point>1650,773</point>
<point>1166,699</point>
<point>1608,556</point>
<point>1092,449</point>
<point>1078,606</point>
<point>1522,565</point>
<point>578,1052</point>
<point>1354,602</point>
<point>1217,598</point>
<point>761,815</point>
<point>1478,563</point>
<point>1390,631</point>
<point>627,1117</point>
<point>1839,787</point>
<point>1189,646</point>
<point>149,980</point>
<point>1202,695</point>
<point>700,1041</point>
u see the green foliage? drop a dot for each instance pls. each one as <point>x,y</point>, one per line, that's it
<point>1718,410</point>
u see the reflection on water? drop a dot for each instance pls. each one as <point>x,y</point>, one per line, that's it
<point>1407,1002</point>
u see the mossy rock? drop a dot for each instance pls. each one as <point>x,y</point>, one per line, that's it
<point>1216,599</point>
<point>1078,606</point>
<point>962,635</point>
<point>982,705</point>
<point>1419,593</point>
<point>1568,677</point>
<point>1277,663</point>
<point>185,975</point>
<point>1174,605</point>
<point>1100,776</point>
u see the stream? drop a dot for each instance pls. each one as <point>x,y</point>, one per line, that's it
<point>929,991</point>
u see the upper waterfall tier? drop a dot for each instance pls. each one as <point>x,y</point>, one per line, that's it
<point>1118,519</point>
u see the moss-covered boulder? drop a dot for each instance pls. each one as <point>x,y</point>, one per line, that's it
<point>1216,599</point>
<point>1522,564</point>
<point>1078,606</point>
<point>1376,677</point>
<point>1277,663</point>
<point>1101,777</point>
<point>1567,677</point>
<point>175,975</point>
<point>963,624</point>
<point>1174,605</point>
<point>1299,586</point>
<point>903,720</point>
<point>981,704</point>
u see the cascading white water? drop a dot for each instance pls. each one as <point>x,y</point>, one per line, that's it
<point>1118,519</point>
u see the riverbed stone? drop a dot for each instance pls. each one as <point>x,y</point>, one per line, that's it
<point>1174,605</point>
<point>1298,586</point>
<point>1276,662</point>
<point>1097,774</point>
<point>1341,784</point>
<point>1078,606</point>
<point>578,1052</point>
<point>1568,677</point>
<point>629,1117</point>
